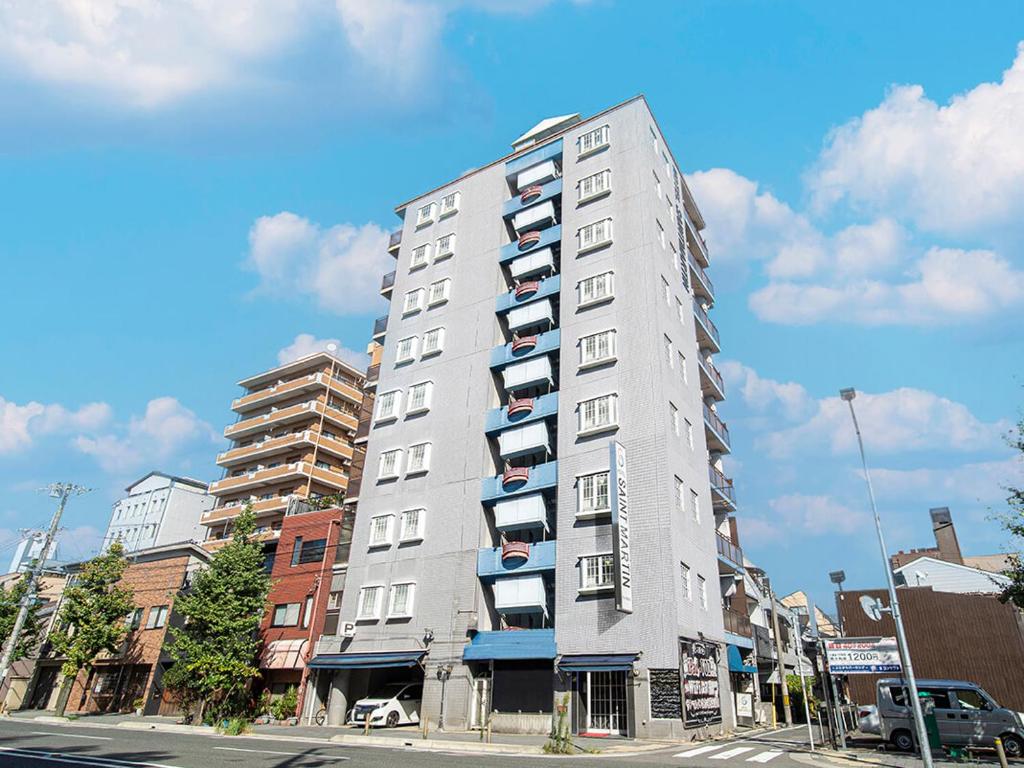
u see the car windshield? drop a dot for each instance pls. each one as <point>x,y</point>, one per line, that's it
<point>389,691</point>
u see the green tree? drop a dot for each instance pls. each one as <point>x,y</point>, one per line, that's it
<point>216,650</point>
<point>92,617</point>
<point>10,603</point>
<point>1013,522</point>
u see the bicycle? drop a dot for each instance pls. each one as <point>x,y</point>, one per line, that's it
<point>321,716</point>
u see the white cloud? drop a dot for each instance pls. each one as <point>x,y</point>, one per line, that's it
<point>763,395</point>
<point>899,421</point>
<point>958,167</point>
<point>21,424</point>
<point>306,344</point>
<point>796,515</point>
<point>160,435</point>
<point>340,267</point>
<point>983,482</point>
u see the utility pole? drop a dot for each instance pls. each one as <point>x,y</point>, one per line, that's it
<point>781,666</point>
<point>800,671</point>
<point>59,491</point>
<point>894,602</point>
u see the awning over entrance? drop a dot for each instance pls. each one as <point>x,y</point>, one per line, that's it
<point>366,660</point>
<point>736,663</point>
<point>509,645</point>
<point>283,654</point>
<point>620,662</point>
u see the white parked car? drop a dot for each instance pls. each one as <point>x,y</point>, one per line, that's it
<point>394,704</point>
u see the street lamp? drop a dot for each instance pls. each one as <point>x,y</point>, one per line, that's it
<point>908,669</point>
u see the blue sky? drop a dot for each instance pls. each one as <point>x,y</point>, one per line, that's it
<point>182,186</point>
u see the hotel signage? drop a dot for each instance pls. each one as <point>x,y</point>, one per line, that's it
<point>621,554</point>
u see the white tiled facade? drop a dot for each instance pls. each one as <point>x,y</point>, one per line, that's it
<point>159,509</point>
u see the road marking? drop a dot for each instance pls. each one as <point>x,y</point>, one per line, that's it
<point>288,754</point>
<point>73,735</point>
<point>764,757</point>
<point>65,757</point>
<point>730,753</point>
<point>699,751</point>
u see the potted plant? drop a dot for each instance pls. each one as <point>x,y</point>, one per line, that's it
<point>139,704</point>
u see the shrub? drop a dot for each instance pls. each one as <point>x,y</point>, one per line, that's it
<point>285,706</point>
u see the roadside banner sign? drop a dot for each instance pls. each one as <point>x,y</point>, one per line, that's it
<point>862,655</point>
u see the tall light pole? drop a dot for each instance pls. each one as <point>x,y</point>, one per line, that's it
<point>60,491</point>
<point>901,637</point>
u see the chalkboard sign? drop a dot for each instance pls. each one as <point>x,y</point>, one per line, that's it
<point>702,704</point>
<point>665,701</point>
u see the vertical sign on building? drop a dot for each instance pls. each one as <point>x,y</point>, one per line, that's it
<point>621,554</point>
<point>702,703</point>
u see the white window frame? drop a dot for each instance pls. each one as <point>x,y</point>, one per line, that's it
<point>586,239</point>
<point>702,589</point>
<point>404,535</point>
<point>583,512</point>
<point>680,495</point>
<point>602,178</point>
<point>661,234</point>
<point>689,432</point>
<point>410,601</point>
<point>593,141</point>
<point>673,413</point>
<point>157,618</point>
<point>426,214</point>
<point>657,184</point>
<point>452,209</point>
<point>670,352</point>
<point>682,367</point>
<point>361,612</point>
<point>687,577</point>
<point>591,362</point>
<point>605,566</point>
<point>445,288</point>
<point>397,453</point>
<point>440,343</point>
<point>410,408</point>
<point>613,411</point>
<point>396,406</point>
<point>425,465</point>
<point>411,355</point>
<point>385,539</point>
<point>440,255</point>
<point>413,301</point>
<point>695,505</point>
<point>667,290</point>
<point>601,278</point>
<point>420,256</point>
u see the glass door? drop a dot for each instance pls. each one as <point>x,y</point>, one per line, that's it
<point>606,703</point>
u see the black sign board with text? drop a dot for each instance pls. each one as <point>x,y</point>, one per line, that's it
<point>702,703</point>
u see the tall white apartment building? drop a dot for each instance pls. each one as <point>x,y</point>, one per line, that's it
<point>159,509</point>
<point>537,524</point>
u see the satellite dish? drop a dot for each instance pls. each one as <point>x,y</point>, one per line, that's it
<point>872,606</point>
<point>332,347</point>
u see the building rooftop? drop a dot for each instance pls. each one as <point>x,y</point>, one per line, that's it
<point>307,361</point>
<point>176,478</point>
<point>543,129</point>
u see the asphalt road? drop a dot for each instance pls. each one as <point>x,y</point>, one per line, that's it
<point>28,744</point>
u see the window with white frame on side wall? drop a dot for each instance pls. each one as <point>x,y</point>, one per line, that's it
<point>597,572</point>
<point>433,342</point>
<point>593,140</point>
<point>592,494</point>
<point>450,204</point>
<point>369,603</point>
<point>420,256</point>
<point>438,292</point>
<point>405,350</point>
<point>388,404</point>
<point>400,600</point>
<point>412,524</point>
<point>598,414</point>
<point>426,214</point>
<point>390,464</point>
<point>597,348</point>
<point>419,459</point>
<point>445,246</point>
<point>381,530</point>
<point>594,235</point>
<point>595,289</point>
<point>594,186</point>
<point>419,398</point>
<point>413,301</point>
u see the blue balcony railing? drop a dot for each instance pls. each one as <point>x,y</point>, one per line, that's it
<point>516,204</point>
<point>543,407</point>
<point>539,478</point>
<point>546,343</point>
<point>548,237</point>
<point>550,151</point>
<point>549,287</point>
<point>494,562</point>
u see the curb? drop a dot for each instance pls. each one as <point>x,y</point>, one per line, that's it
<point>435,745</point>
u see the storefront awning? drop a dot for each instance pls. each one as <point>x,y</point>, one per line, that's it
<point>736,663</point>
<point>366,660</point>
<point>283,654</point>
<point>511,644</point>
<point>620,662</point>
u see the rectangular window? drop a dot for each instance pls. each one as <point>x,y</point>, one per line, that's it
<point>673,417</point>
<point>419,398</point>
<point>695,505</point>
<point>594,235</point>
<point>684,571</point>
<point>388,404</point>
<point>380,530</point>
<point>438,292</point>
<point>296,550</point>
<point>420,256</point>
<point>285,615</point>
<point>426,214</point>
<point>654,138</point>
<point>413,302</point>
<point>134,620</point>
<point>433,342</point>
<point>400,600</point>
<point>702,591</point>
<point>157,617</point>
<point>450,203</point>
<point>598,414</point>
<point>445,246</point>
<point>597,572</point>
<point>680,496</point>
<point>680,311</point>
<point>666,290</point>
<point>689,433</point>
<point>390,464</point>
<point>323,465</point>
<point>412,525</point>
<point>369,603</point>
<point>595,185</point>
<point>682,368</point>
<point>597,348</point>
<point>594,289</point>
<point>657,184</point>
<point>661,234</point>
<point>406,350</point>
<point>593,494</point>
<point>312,551</point>
<point>591,141</point>
<point>419,458</point>
<point>307,612</point>
<point>670,357</point>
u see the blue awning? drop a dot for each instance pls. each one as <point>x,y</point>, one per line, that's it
<point>620,662</point>
<point>736,663</point>
<point>511,644</point>
<point>366,660</point>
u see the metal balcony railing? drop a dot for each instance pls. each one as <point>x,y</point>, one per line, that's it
<point>373,372</point>
<point>736,622</point>
<point>713,374</point>
<point>701,274</point>
<point>395,240</point>
<point>702,316</point>
<point>722,484</point>
<point>388,282</point>
<point>728,550</point>
<point>716,424</point>
<point>380,325</point>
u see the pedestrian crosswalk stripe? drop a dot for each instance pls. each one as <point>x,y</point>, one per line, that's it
<point>730,753</point>
<point>699,751</point>
<point>764,757</point>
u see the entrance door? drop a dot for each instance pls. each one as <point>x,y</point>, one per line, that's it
<point>606,703</point>
<point>481,702</point>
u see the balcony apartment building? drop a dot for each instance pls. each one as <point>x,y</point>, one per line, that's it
<point>158,509</point>
<point>293,439</point>
<point>538,519</point>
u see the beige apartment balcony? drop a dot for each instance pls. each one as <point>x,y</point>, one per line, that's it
<point>291,414</point>
<point>260,507</point>
<point>289,389</point>
<point>275,445</point>
<point>212,545</point>
<point>260,478</point>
